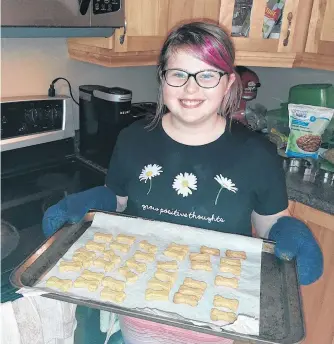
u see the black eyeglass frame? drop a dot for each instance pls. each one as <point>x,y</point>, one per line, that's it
<point>194,75</point>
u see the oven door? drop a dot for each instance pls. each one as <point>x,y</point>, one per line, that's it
<point>62,13</point>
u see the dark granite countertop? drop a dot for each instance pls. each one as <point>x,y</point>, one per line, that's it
<point>311,189</point>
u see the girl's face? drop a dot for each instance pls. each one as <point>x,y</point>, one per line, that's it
<point>190,103</point>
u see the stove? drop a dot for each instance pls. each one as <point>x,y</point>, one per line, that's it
<point>39,168</point>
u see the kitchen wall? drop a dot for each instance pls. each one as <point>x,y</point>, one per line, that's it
<point>29,65</point>
<point>276,83</point>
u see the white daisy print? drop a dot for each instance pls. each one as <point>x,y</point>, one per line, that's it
<point>225,183</point>
<point>148,172</point>
<point>184,183</point>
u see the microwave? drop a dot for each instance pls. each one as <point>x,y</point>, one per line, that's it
<point>61,18</point>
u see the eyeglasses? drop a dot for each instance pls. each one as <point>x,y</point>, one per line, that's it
<point>203,78</point>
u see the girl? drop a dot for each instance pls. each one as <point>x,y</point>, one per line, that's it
<point>191,165</point>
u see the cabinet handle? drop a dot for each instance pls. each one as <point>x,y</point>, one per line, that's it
<point>122,37</point>
<point>286,40</point>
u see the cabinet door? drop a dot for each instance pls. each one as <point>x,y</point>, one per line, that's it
<point>320,38</point>
<point>146,26</point>
<point>185,10</point>
<point>244,19</point>
<point>318,298</point>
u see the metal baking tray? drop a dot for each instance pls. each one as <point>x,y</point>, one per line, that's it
<point>281,316</point>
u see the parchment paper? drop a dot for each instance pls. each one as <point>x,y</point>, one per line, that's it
<point>162,234</point>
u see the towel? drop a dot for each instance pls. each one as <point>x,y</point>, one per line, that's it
<point>10,332</point>
<point>109,324</point>
<point>40,320</point>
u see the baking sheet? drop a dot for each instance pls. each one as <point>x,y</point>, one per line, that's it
<point>162,234</point>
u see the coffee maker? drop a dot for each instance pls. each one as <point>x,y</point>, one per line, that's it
<point>104,112</point>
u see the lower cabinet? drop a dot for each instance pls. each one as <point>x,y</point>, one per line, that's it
<point>318,298</point>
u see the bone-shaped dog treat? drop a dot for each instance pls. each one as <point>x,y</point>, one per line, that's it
<point>95,246</point>
<point>113,283</point>
<point>156,284</point>
<point>186,299</point>
<point>61,284</point>
<point>83,251</point>
<point>177,254</point>
<point>216,315</point>
<point>112,295</point>
<point>120,247</point>
<point>133,264</point>
<point>198,265</point>
<point>80,257</point>
<point>128,274</point>
<point>125,239</point>
<point>191,291</point>
<point>116,260</point>
<point>194,283</point>
<point>104,264</point>
<point>109,254</point>
<point>168,265</point>
<point>156,295</point>
<point>146,246</point>
<point>166,276</point>
<point>226,282</point>
<point>103,237</point>
<point>88,263</point>
<point>92,275</point>
<point>139,255</point>
<point>112,259</point>
<point>179,247</point>
<point>235,270</point>
<point>236,254</point>
<point>220,301</point>
<point>210,250</point>
<point>230,261</point>
<point>123,270</point>
<point>81,282</point>
<point>65,266</point>
<point>200,257</point>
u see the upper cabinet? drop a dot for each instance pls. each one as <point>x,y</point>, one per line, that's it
<point>320,36</point>
<point>146,26</point>
<point>305,37</point>
<point>185,10</point>
<point>251,24</point>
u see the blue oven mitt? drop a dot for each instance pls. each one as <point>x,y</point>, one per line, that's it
<point>294,239</point>
<point>74,207</point>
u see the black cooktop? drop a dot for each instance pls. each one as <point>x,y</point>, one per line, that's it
<point>25,196</point>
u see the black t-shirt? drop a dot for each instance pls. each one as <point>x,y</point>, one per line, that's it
<point>213,186</point>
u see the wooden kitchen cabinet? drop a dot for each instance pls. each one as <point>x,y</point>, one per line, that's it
<point>137,44</point>
<point>292,37</point>
<point>306,38</point>
<point>319,47</point>
<point>185,10</point>
<point>320,37</point>
<point>148,23</point>
<point>318,298</point>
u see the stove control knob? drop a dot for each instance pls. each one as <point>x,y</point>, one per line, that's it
<point>31,116</point>
<point>57,117</point>
<point>48,114</point>
<point>4,119</point>
<point>23,129</point>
